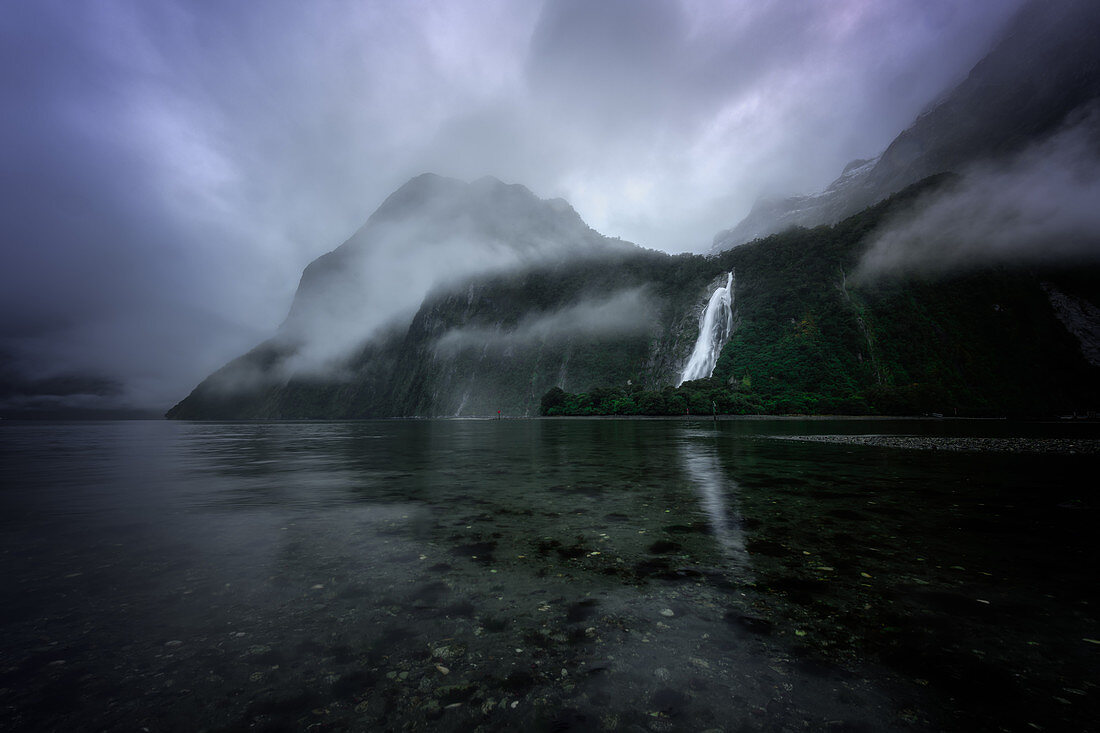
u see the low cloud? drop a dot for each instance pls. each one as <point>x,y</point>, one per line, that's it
<point>1036,207</point>
<point>25,396</point>
<point>377,288</point>
<point>433,233</point>
<point>169,168</point>
<point>622,313</point>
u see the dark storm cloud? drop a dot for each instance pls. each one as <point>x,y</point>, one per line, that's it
<point>169,168</point>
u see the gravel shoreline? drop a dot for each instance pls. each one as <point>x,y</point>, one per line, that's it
<point>1065,446</point>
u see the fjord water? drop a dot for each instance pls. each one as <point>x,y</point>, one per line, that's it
<point>545,575</point>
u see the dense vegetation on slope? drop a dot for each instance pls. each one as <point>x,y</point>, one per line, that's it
<point>610,334</point>
<point>494,343</point>
<point>812,339</point>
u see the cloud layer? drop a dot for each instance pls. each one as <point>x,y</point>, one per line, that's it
<point>1040,205</point>
<point>625,312</point>
<point>169,168</point>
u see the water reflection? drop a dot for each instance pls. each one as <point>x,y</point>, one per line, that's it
<point>717,493</point>
<point>558,575</point>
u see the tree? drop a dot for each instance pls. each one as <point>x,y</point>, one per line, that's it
<point>554,397</point>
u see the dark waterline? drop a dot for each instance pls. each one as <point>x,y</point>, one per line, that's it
<point>545,574</point>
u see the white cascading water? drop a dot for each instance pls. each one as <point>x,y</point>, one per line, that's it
<point>714,330</point>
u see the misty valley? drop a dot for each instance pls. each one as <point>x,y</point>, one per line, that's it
<point>955,273</point>
<point>793,323</point>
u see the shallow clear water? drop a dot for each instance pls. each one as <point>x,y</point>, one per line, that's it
<point>545,574</point>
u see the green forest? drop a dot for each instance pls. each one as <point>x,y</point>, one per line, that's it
<point>811,336</point>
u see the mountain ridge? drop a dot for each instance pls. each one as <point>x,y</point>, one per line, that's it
<point>460,298</point>
<point>807,339</point>
<point>1042,70</point>
<point>430,231</point>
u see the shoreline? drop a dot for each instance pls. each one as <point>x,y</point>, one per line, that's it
<point>486,418</point>
<point>1059,446</point>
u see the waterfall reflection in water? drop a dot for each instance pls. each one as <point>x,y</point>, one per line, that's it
<point>717,494</point>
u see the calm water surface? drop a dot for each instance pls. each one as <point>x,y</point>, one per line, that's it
<point>544,575</point>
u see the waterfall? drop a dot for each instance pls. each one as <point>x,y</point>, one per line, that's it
<point>715,328</point>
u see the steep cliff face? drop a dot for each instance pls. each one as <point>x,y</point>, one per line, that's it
<point>629,321</point>
<point>814,334</point>
<point>814,337</point>
<point>432,232</point>
<point>849,193</point>
<point>807,336</point>
<point>493,343</point>
<point>1080,317</point>
<point>349,324</point>
<point>1042,72</point>
<point>503,342</point>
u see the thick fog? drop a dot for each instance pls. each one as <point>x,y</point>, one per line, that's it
<point>624,312</point>
<point>169,168</point>
<point>1041,205</point>
<point>432,235</point>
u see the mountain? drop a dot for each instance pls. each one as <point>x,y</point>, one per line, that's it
<point>480,298</point>
<point>613,330</point>
<point>369,315</point>
<point>431,231</point>
<point>1042,74</point>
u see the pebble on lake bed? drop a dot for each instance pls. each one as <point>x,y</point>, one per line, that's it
<point>668,612</point>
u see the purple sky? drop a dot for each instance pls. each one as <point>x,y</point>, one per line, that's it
<point>170,167</point>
